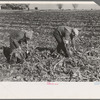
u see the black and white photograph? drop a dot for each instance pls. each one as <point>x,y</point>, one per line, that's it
<point>49,42</point>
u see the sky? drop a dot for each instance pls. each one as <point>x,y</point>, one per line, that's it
<point>53,5</point>
<point>65,6</point>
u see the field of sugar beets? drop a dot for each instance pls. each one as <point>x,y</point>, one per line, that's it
<point>41,65</point>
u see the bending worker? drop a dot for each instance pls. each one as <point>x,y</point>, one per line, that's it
<point>17,37</point>
<point>65,37</point>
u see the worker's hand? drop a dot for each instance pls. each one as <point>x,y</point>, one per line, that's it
<point>20,48</point>
<point>75,49</point>
<point>66,41</point>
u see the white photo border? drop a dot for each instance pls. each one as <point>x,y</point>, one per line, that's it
<point>56,90</point>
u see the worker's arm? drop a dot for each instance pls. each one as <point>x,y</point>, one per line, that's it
<point>73,43</point>
<point>66,37</point>
<point>14,43</point>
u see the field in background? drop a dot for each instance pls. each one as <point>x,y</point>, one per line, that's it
<point>41,66</point>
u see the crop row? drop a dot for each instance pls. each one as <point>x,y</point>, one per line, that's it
<point>80,19</point>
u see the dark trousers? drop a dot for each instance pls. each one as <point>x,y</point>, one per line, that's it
<point>61,44</point>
